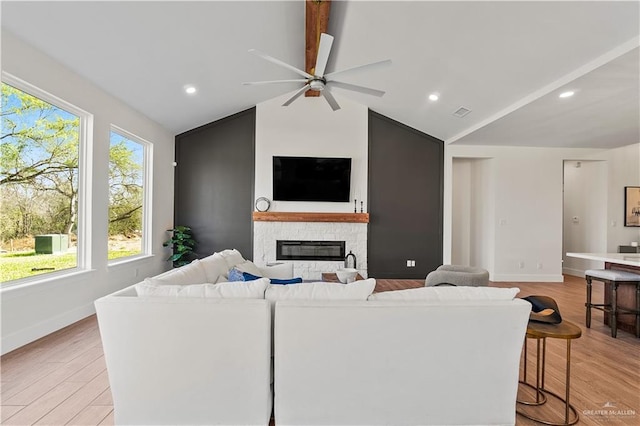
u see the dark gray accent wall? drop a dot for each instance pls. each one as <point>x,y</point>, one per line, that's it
<point>214,183</point>
<point>405,200</point>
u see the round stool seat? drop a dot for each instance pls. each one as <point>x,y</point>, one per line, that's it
<point>459,275</point>
<point>612,275</point>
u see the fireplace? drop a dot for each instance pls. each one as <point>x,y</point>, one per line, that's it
<point>267,233</point>
<point>310,250</point>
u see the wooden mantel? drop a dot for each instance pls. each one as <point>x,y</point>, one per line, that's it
<point>310,217</point>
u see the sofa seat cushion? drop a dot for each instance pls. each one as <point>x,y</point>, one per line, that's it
<point>448,293</point>
<point>226,290</point>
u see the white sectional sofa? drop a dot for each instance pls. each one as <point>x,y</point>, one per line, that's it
<point>180,351</point>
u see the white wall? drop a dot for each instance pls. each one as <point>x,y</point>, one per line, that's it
<point>308,127</point>
<point>525,209</point>
<point>32,311</point>
<point>623,170</point>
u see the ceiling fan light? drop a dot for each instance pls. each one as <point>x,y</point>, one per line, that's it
<point>317,85</point>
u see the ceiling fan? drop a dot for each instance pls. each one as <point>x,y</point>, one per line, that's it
<point>319,81</point>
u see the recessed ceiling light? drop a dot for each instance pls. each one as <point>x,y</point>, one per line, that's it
<point>190,89</point>
<point>566,94</point>
<point>434,97</point>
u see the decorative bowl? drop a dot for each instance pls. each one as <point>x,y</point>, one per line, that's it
<point>347,275</point>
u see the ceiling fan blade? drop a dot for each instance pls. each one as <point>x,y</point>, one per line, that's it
<point>356,88</point>
<point>330,99</point>
<point>326,41</point>
<point>297,95</point>
<point>249,83</point>
<point>372,65</point>
<point>279,62</point>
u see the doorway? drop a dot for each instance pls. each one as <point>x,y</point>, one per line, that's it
<point>472,226</point>
<point>584,221</point>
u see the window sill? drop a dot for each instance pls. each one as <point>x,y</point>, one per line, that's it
<point>124,261</point>
<point>51,279</point>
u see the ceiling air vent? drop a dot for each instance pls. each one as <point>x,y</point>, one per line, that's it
<point>461,112</point>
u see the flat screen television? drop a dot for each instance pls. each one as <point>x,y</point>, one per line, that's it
<point>311,179</point>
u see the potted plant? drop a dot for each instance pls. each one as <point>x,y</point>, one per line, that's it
<point>182,243</point>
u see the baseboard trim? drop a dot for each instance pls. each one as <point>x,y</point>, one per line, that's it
<point>528,278</point>
<point>573,272</point>
<point>32,333</point>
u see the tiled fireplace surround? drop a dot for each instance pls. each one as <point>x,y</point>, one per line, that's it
<point>265,234</point>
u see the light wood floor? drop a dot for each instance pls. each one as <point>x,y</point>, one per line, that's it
<point>61,379</point>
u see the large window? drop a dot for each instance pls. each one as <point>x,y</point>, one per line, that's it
<point>41,188</point>
<point>128,194</point>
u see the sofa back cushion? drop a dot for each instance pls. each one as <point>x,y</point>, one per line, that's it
<point>215,268</point>
<point>357,290</point>
<point>193,273</point>
<point>410,363</point>
<point>232,257</point>
<point>176,361</point>
<point>226,290</point>
<point>448,293</point>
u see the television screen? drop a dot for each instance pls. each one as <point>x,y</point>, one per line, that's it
<point>311,179</point>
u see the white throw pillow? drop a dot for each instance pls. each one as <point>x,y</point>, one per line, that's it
<point>237,290</point>
<point>193,273</point>
<point>232,257</point>
<point>357,290</point>
<point>280,271</point>
<point>214,267</point>
<point>448,293</point>
<point>248,266</point>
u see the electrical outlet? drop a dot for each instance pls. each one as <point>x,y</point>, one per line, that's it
<point>408,264</point>
<point>539,265</point>
<point>413,263</point>
<point>521,264</point>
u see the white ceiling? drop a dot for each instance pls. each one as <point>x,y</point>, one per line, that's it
<point>506,61</point>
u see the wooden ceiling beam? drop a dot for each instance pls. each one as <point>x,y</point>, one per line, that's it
<point>316,22</point>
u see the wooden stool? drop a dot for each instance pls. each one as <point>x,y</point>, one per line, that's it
<point>614,278</point>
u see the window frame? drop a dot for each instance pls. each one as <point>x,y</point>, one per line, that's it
<point>85,182</point>
<point>147,195</point>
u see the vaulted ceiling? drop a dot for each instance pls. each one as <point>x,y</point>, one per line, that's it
<point>507,62</point>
